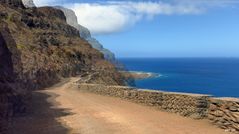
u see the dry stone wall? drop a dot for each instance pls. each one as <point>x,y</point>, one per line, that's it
<point>223,113</point>
<point>184,104</point>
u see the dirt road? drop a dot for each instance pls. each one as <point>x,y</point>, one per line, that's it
<point>75,112</point>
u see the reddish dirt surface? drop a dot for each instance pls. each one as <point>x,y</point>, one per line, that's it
<point>67,110</point>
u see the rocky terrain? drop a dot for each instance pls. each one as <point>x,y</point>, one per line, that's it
<point>37,49</point>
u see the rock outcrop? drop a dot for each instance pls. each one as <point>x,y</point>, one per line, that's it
<point>28,3</point>
<point>71,19</point>
<point>37,49</point>
<point>13,92</point>
<point>15,3</point>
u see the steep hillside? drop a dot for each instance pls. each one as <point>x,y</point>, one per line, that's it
<point>37,48</point>
<point>71,19</point>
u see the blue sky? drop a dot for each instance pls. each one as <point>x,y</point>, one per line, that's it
<point>195,28</point>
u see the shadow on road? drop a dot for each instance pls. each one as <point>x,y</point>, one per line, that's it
<point>42,118</point>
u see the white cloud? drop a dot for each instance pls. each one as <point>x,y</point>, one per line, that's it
<point>114,16</point>
<point>42,2</point>
<point>212,2</point>
<point>49,2</point>
<point>110,17</point>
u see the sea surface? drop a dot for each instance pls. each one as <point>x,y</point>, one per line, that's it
<point>214,76</point>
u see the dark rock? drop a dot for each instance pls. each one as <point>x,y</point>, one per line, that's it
<point>15,3</point>
<point>3,15</point>
<point>52,13</point>
<point>6,65</point>
<point>234,109</point>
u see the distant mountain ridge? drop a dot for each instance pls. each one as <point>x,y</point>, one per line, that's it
<point>71,19</point>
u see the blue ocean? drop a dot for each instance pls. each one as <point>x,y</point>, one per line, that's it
<point>213,76</point>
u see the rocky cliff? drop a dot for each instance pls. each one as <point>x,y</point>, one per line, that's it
<point>71,19</point>
<point>37,49</point>
<point>15,3</point>
<point>28,3</point>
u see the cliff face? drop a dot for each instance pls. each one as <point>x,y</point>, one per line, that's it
<point>19,3</point>
<point>97,45</point>
<point>15,3</point>
<point>28,3</point>
<point>71,19</point>
<point>14,94</point>
<point>85,33</point>
<point>37,48</point>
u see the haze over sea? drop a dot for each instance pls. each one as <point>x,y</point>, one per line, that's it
<point>214,76</point>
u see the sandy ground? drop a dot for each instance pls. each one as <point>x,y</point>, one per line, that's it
<point>67,110</point>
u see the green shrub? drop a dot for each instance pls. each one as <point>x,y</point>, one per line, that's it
<point>20,46</point>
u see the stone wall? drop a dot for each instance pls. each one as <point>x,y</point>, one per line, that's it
<point>223,113</point>
<point>184,104</point>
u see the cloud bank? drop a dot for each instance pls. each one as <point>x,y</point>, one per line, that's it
<point>111,17</point>
<point>114,16</point>
<point>49,2</point>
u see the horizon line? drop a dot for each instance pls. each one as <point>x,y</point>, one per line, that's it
<point>183,57</point>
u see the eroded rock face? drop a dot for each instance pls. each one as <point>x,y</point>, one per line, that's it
<point>6,65</point>
<point>37,48</point>
<point>71,19</point>
<point>13,94</point>
<point>97,45</point>
<point>84,32</point>
<point>28,3</point>
<point>16,3</point>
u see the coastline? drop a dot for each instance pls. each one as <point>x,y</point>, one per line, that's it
<point>139,74</point>
<point>193,75</point>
